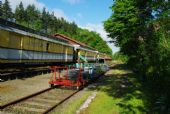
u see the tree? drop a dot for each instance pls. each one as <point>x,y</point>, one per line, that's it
<point>7,11</point>
<point>127,27</point>
<point>52,23</point>
<point>73,28</point>
<point>0,8</point>
<point>32,15</point>
<point>20,13</point>
<point>141,30</point>
<point>46,19</point>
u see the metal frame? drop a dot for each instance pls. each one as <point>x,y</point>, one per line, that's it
<point>57,80</point>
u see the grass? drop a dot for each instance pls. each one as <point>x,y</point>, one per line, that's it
<point>106,106</point>
<point>119,93</point>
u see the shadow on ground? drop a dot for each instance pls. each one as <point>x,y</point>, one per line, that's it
<point>121,84</point>
<point>21,75</point>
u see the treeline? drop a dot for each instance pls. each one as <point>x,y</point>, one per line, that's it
<point>47,22</point>
<point>141,28</point>
<point>118,56</point>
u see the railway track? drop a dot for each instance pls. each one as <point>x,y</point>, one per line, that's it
<point>38,103</point>
<point>11,74</point>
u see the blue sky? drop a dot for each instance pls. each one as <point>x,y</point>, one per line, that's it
<point>83,11</point>
<point>88,14</point>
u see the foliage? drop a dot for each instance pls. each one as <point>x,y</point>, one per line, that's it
<point>141,30</point>
<point>7,11</point>
<point>118,56</point>
<point>46,22</point>
<point>96,42</point>
<point>20,13</point>
<point>0,8</point>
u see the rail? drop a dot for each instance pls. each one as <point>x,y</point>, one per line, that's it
<point>8,108</point>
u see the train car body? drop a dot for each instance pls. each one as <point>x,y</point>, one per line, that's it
<point>19,46</point>
<point>87,56</point>
<point>83,53</point>
<point>22,45</point>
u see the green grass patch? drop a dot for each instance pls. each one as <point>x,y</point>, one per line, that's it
<point>102,104</point>
<point>118,93</point>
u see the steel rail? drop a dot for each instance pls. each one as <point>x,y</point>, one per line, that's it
<point>59,103</point>
<point>23,98</point>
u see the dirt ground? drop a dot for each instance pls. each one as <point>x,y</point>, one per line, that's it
<point>14,89</point>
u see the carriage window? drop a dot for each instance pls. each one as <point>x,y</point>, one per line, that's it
<point>47,47</point>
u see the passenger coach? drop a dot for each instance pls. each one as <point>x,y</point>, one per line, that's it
<point>19,44</point>
<point>22,45</point>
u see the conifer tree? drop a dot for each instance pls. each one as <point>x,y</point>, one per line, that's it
<point>44,20</point>
<point>7,11</point>
<point>47,20</point>
<point>0,8</point>
<point>20,13</point>
<point>32,15</point>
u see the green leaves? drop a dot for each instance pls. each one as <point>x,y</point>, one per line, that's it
<point>1,11</point>
<point>120,24</point>
<point>141,30</point>
<point>7,11</point>
<point>93,39</point>
<point>20,14</point>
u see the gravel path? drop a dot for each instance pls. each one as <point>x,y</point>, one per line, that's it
<point>14,89</point>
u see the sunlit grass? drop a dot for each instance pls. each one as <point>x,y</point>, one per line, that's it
<point>102,104</point>
<point>119,93</point>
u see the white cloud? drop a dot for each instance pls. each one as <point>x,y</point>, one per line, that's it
<point>14,3</point>
<point>99,29</point>
<point>72,2</point>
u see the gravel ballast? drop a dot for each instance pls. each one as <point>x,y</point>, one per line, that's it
<point>14,89</point>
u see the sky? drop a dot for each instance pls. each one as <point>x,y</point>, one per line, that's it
<point>88,14</point>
